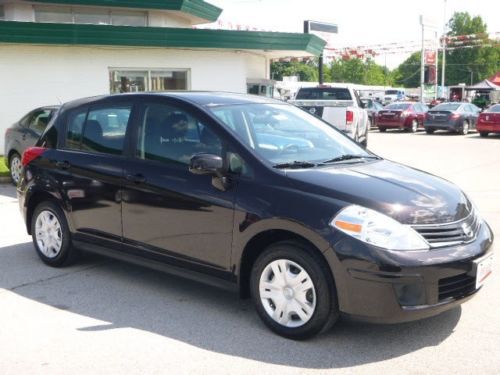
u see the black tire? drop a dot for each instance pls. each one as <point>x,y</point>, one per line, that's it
<point>326,310</point>
<point>382,130</point>
<point>429,130</point>
<point>67,254</point>
<point>465,128</point>
<point>14,167</point>
<point>413,127</point>
<point>483,134</point>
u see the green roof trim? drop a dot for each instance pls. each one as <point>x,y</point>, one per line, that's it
<point>198,8</point>
<point>76,34</point>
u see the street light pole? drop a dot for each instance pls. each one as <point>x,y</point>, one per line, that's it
<point>422,77</point>
<point>444,51</point>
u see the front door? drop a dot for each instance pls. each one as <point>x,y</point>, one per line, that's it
<point>167,210</point>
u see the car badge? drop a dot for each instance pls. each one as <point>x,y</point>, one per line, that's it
<point>312,111</point>
<point>467,230</point>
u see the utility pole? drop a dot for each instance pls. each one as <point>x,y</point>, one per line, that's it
<point>444,51</point>
<point>310,27</point>
<point>422,68</point>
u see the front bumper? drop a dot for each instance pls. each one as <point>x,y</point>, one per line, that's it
<point>383,286</point>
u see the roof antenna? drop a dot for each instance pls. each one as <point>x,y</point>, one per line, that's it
<point>59,100</point>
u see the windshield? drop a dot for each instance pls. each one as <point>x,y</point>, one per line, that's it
<point>495,108</point>
<point>401,106</point>
<point>392,92</point>
<point>324,93</point>
<point>447,107</point>
<point>282,133</point>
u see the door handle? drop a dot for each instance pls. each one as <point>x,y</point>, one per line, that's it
<point>136,178</point>
<point>63,164</point>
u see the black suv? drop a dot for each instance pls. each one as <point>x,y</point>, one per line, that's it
<point>257,194</point>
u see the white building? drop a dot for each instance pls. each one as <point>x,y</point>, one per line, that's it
<point>53,51</point>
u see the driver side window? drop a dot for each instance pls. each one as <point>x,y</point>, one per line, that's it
<point>173,135</point>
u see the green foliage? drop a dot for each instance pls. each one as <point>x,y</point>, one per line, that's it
<point>352,71</point>
<point>481,62</point>
<point>4,171</point>
<point>407,74</point>
<point>307,72</point>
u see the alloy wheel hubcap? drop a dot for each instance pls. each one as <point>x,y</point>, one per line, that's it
<point>287,293</point>
<point>48,234</point>
<point>414,126</point>
<point>466,128</point>
<point>15,168</point>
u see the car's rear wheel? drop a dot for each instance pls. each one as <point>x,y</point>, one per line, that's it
<point>51,235</point>
<point>293,292</point>
<point>483,134</point>
<point>15,167</point>
<point>465,128</point>
<point>430,130</point>
<point>382,130</point>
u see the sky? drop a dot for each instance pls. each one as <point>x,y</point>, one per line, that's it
<point>360,22</point>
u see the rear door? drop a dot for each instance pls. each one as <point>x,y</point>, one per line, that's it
<point>90,167</point>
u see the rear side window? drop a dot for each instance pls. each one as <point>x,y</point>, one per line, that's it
<point>100,130</point>
<point>324,93</point>
<point>76,120</point>
<point>39,120</point>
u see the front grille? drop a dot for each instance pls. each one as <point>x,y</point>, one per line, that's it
<point>455,233</point>
<point>456,286</point>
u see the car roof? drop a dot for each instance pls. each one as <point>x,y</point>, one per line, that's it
<point>200,98</point>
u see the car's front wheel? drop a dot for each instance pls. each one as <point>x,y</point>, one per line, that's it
<point>414,126</point>
<point>15,167</point>
<point>51,235</point>
<point>483,134</point>
<point>429,130</point>
<point>293,291</point>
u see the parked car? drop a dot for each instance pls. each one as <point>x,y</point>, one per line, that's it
<point>407,116</point>
<point>372,107</point>
<point>453,117</point>
<point>489,121</point>
<point>193,183</point>
<point>23,134</point>
<point>340,106</point>
<point>394,95</point>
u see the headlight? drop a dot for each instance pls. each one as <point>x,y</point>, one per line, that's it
<point>377,229</point>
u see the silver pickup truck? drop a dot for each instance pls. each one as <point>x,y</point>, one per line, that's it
<point>339,106</point>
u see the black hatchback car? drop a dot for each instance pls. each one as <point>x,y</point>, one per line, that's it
<point>256,194</point>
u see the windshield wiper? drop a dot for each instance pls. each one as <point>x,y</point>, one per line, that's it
<point>349,157</point>
<point>295,165</point>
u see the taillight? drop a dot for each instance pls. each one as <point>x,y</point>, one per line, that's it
<point>349,117</point>
<point>31,153</point>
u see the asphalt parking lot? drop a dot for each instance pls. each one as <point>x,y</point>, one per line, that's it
<point>104,316</point>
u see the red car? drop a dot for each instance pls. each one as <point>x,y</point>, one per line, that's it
<point>403,115</point>
<point>489,121</point>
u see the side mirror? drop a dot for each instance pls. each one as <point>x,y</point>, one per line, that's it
<point>206,164</point>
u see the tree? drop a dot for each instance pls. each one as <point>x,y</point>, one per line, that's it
<point>480,62</point>
<point>407,74</point>
<point>306,71</point>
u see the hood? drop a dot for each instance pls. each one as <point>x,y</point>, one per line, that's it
<point>408,195</point>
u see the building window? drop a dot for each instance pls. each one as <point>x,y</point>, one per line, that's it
<point>122,80</point>
<point>94,16</point>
